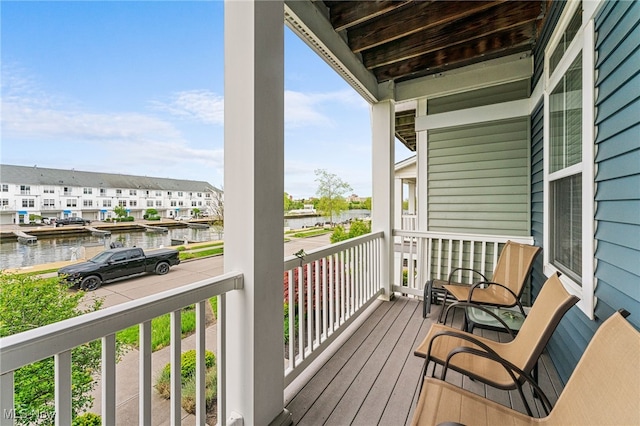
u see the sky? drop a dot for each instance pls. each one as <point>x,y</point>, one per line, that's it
<point>137,87</point>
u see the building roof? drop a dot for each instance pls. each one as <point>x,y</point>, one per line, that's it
<point>25,175</point>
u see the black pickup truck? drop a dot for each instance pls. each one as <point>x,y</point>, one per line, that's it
<point>116,264</point>
<point>71,221</point>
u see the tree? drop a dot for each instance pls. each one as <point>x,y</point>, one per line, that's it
<point>196,212</point>
<point>287,202</point>
<point>28,302</point>
<point>120,211</point>
<point>331,190</point>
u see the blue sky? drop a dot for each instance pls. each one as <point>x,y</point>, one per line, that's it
<point>137,87</point>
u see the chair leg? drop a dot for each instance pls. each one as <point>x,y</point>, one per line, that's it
<point>426,303</point>
<point>444,305</point>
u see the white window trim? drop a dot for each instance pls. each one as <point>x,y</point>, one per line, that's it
<point>583,42</point>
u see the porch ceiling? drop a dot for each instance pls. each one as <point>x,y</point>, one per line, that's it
<point>397,41</point>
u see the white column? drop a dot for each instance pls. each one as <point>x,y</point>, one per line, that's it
<point>397,203</point>
<point>383,123</point>
<point>411,195</point>
<point>254,184</point>
<point>421,170</point>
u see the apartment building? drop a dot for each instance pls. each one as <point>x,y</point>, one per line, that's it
<point>28,193</point>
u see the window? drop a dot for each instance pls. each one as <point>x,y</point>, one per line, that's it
<point>87,191</point>
<point>149,203</point>
<point>194,204</point>
<point>28,202</point>
<point>569,156</point>
<point>168,193</point>
<point>5,187</point>
<point>158,203</point>
<point>66,191</point>
<point>106,203</point>
<point>173,203</point>
<point>103,192</point>
<point>133,203</point>
<point>180,203</point>
<point>158,193</point>
<point>25,190</point>
<point>122,203</point>
<point>72,202</point>
<point>133,192</point>
<point>48,190</point>
<point>118,192</point>
<point>565,141</point>
<point>4,202</point>
<point>87,203</point>
<point>48,203</point>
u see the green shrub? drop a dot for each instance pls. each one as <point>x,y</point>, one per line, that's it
<point>187,372</point>
<point>87,419</point>
<point>187,369</point>
<point>339,234</point>
<point>188,401</point>
<point>359,227</point>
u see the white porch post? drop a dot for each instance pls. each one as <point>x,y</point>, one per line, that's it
<point>397,203</point>
<point>411,195</point>
<point>254,184</point>
<point>383,123</point>
<point>421,170</point>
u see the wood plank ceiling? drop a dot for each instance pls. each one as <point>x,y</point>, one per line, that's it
<point>405,39</point>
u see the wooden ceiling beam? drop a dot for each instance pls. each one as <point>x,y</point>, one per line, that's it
<point>416,17</point>
<point>515,41</point>
<point>344,15</point>
<point>489,24</point>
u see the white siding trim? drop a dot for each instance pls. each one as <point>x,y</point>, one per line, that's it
<point>481,114</point>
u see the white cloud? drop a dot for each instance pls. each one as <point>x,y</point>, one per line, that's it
<point>306,109</point>
<point>199,105</point>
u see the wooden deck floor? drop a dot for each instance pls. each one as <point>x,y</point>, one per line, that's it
<point>373,378</point>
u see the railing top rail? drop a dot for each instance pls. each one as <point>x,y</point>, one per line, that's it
<point>463,237</point>
<point>322,252</point>
<point>33,345</point>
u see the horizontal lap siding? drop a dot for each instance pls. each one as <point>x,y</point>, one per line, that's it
<point>478,178</point>
<point>618,160</point>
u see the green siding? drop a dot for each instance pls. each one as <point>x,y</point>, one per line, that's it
<point>478,178</point>
<point>480,97</point>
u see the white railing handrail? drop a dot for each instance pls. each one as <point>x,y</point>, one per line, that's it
<point>322,252</point>
<point>465,237</point>
<point>34,345</point>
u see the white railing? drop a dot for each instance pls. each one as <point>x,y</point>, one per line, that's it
<point>409,222</point>
<point>421,256</point>
<point>59,339</point>
<point>325,290</point>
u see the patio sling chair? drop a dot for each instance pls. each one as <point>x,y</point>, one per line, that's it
<point>503,290</point>
<point>603,389</point>
<point>474,356</point>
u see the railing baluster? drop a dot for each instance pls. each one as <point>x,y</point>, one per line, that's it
<point>317,301</point>
<point>63,388</point>
<point>221,359</point>
<point>301,312</point>
<point>325,312</point>
<point>176,379</point>
<point>332,294</point>
<point>309,310</point>
<point>291,314</point>
<point>201,369</point>
<point>144,367</point>
<point>109,379</point>
<point>6,399</point>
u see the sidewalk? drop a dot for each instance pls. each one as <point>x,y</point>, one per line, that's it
<point>127,389</point>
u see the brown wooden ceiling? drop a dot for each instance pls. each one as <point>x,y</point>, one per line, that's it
<point>405,39</point>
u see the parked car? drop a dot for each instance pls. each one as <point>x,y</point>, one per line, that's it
<point>116,264</point>
<point>72,221</point>
<point>185,218</point>
<point>49,220</point>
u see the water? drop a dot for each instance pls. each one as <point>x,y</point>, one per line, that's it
<point>46,250</point>
<point>302,222</point>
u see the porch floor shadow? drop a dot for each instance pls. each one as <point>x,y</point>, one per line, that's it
<point>373,378</point>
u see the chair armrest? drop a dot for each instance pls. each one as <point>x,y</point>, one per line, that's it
<point>490,283</point>
<point>510,368</point>
<point>465,269</point>
<point>461,335</point>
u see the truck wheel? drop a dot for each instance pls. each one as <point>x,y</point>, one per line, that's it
<point>90,283</point>
<point>162,268</point>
